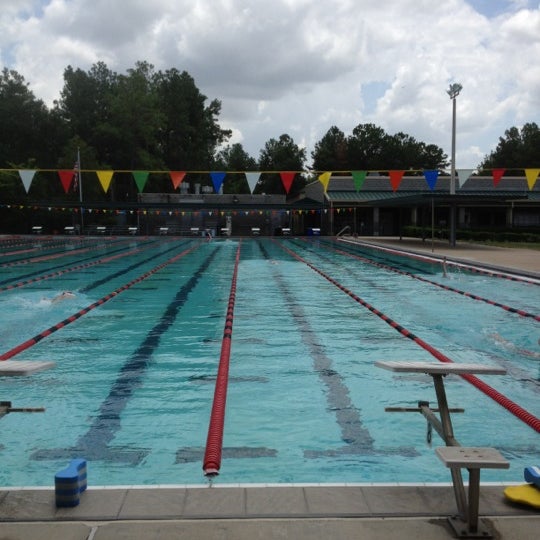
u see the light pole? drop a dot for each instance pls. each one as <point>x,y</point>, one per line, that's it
<point>453,91</point>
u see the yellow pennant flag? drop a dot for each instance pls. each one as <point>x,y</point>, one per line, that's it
<point>532,175</point>
<point>105,178</point>
<point>324,178</point>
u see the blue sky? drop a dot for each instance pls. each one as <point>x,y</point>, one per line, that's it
<point>302,66</point>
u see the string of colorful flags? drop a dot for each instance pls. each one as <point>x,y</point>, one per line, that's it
<point>68,177</point>
<point>189,213</point>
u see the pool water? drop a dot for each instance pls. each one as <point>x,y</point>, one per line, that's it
<point>134,379</point>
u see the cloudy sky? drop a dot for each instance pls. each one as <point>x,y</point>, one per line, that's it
<point>302,66</point>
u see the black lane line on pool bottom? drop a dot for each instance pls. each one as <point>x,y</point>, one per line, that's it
<point>94,444</point>
<point>354,434</point>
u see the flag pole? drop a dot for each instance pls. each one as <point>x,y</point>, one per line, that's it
<point>80,187</point>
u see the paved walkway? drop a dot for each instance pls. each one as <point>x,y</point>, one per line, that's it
<point>322,512</point>
<point>259,512</point>
<point>522,261</point>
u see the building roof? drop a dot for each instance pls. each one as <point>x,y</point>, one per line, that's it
<point>378,190</point>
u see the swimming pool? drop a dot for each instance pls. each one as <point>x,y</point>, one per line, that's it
<point>135,370</point>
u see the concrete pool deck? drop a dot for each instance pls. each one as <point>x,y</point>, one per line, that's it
<point>522,261</point>
<point>266,512</point>
<point>322,512</point>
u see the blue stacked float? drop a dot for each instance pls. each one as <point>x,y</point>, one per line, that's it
<point>69,483</point>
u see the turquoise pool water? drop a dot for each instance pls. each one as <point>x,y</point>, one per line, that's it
<point>134,379</point>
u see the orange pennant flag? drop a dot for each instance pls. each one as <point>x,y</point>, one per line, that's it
<point>532,175</point>
<point>395,178</point>
<point>177,177</point>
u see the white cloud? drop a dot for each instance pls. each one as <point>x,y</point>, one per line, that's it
<point>302,66</point>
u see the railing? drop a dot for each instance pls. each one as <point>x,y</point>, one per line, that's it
<point>346,228</point>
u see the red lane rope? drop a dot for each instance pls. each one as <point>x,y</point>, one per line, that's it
<point>36,339</point>
<point>518,411</point>
<point>214,441</point>
<point>510,309</point>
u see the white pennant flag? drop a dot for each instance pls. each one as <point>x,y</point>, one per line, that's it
<point>27,175</point>
<point>252,179</point>
<point>463,175</point>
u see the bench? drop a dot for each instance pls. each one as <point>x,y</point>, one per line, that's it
<point>473,459</point>
<point>133,230</point>
<point>69,230</point>
<point>163,230</point>
<point>255,231</point>
<point>37,229</point>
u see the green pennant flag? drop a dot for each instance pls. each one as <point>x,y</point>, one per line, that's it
<point>140,178</point>
<point>358,179</point>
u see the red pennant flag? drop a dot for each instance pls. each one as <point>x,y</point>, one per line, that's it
<point>177,177</point>
<point>66,177</point>
<point>287,178</point>
<point>395,178</point>
<point>497,175</point>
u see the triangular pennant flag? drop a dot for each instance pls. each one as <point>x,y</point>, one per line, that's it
<point>177,177</point>
<point>140,178</point>
<point>431,178</point>
<point>532,175</point>
<point>217,180</point>
<point>395,178</point>
<point>463,175</point>
<point>66,177</point>
<point>358,179</point>
<point>105,178</point>
<point>497,175</point>
<point>252,179</point>
<point>324,179</point>
<point>287,178</point>
<point>27,176</point>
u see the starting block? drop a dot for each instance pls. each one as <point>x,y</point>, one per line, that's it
<point>69,483</point>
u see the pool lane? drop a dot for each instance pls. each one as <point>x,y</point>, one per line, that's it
<point>354,434</point>
<point>94,444</point>
<point>519,412</point>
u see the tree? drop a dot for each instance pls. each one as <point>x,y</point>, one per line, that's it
<point>28,132</point>
<point>280,155</point>
<point>235,158</point>
<point>190,133</point>
<point>369,147</point>
<point>365,148</point>
<point>516,150</point>
<point>141,120</point>
<point>330,153</point>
